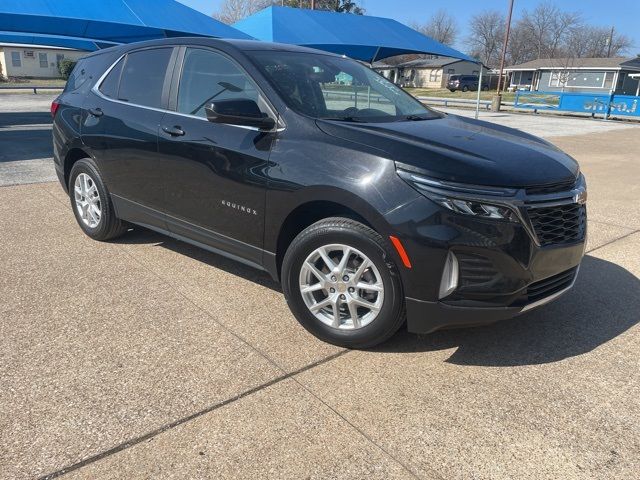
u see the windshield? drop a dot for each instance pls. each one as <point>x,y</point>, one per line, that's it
<point>328,87</point>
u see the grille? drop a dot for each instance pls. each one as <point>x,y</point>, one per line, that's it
<point>551,285</point>
<point>475,270</point>
<point>553,188</point>
<point>559,224</point>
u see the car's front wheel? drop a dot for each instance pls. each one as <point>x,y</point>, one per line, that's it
<point>342,285</point>
<point>91,202</point>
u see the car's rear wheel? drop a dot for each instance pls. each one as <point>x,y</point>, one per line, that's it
<point>91,202</point>
<point>342,285</point>
<point>465,89</point>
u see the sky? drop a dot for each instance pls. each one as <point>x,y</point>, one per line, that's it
<point>623,15</point>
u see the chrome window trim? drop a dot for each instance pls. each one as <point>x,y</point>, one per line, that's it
<point>96,90</point>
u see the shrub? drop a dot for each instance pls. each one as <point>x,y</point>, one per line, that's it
<point>65,66</point>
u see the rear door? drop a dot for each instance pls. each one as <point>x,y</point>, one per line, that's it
<point>122,118</point>
<point>216,179</point>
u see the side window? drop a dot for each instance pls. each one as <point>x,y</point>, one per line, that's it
<point>208,76</point>
<point>42,57</point>
<point>109,86</point>
<point>143,77</point>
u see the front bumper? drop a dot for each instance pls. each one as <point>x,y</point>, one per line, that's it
<point>426,317</point>
<point>504,270</point>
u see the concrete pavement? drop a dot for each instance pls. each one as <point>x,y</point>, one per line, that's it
<point>148,358</point>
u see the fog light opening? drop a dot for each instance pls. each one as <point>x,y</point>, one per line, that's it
<point>449,281</point>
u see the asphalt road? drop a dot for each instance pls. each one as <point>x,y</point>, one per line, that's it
<point>148,358</point>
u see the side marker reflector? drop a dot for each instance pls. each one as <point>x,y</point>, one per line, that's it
<point>401,251</point>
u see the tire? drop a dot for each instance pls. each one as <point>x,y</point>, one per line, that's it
<point>485,88</point>
<point>452,89</point>
<point>465,89</point>
<point>107,226</point>
<point>372,327</point>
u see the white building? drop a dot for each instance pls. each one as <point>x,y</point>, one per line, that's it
<point>427,72</point>
<point>18,60</point>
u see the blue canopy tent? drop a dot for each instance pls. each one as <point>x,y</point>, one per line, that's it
<point>95,24</point>
<point>360,37</point>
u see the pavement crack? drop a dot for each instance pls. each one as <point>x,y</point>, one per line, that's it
<point>406,467</point>
<point>135,441</point>
<point>613,241</point>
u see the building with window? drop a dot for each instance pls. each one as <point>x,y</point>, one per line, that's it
<point>427,72</point>
<point>583,75</point>
<point>29,61</point>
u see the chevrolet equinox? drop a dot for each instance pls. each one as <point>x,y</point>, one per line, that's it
<point>371,209</point>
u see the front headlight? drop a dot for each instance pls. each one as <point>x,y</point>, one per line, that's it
<point>464,199</point>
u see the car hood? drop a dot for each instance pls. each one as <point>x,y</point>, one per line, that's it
<point>463,150</point>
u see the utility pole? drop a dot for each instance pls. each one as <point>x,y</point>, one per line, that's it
<point>504,45</point>
<point>313,4</point>
<point>609,42</point>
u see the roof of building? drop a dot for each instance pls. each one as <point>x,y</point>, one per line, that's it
<point>578,63</point>
<point>29,46</point>
<point>429,62</point>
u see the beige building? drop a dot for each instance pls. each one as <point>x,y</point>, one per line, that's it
<point>18,60</point>
<point>428,72</point>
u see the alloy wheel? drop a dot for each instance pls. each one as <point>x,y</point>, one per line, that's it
<point>87,200</point>
<point>341,287</point>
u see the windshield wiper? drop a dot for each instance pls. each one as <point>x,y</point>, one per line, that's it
<point>415,118</point>
<point>348,119</point>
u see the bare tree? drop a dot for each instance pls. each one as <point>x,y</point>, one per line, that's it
<point>519,49</point>
<point>441,27</point>
<point>547,28</point>
<point>592,41</point>
<point>487,33</point>
<point>232,11</point>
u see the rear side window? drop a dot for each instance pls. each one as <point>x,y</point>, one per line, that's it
<point>109,86</point>
<point>143,76</point>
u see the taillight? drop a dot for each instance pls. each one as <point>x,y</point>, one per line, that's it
<point>54,108</point>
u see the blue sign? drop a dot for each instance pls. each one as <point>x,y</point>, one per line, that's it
<point>595,103</point>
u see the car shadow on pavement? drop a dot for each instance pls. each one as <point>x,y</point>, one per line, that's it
<point>604,303</point>
<point>139,235</point>
<point>24,118</point>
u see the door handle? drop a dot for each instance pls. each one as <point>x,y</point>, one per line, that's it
<point>96,112</point>
<point>175,131</point>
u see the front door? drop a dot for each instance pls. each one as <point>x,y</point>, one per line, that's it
<point>216,180</point>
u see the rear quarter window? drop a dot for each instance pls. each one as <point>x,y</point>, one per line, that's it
<point>79,76</point>
<point>86,73</point>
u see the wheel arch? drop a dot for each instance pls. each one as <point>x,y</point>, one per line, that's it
<point>70,159</point>
<point>313,209</point>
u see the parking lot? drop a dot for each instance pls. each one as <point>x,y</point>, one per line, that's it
<point>149,358</point>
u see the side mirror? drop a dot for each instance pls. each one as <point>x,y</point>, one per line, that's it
<point>239,111</point>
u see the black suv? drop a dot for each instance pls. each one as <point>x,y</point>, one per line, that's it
<point>369,207</point>
<point>465,83</point>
